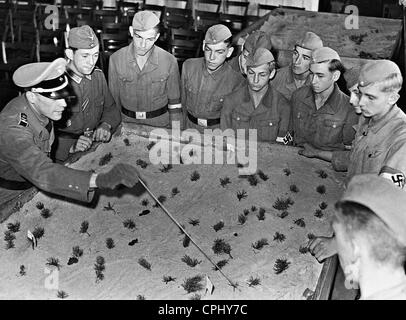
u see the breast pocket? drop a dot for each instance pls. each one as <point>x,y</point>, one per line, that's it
<point>127,88</point>
<point>301,125</point>
<point>240,121</point>
<point>329,132</point>
<point>267,129</point>
<point>159,85</point>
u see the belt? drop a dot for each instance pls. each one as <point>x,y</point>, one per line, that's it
<point>203,122</point>
<point>14,185</point>
<point>144,114</point>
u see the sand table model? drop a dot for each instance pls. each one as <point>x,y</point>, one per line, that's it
<point>125,247</point>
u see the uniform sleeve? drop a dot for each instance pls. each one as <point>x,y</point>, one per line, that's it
<point>226,111</point>
<point>174,94</point>
<point>111,114</point>
<point>113,82</point>
<point>19,150</point>
<point>284,110</point>
<point>349,127</point>
<point>341,160</point>
<point>396,156</point>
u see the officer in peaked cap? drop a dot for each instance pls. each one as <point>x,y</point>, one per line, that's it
<point>94,115</point>
<point>206,80</point>
<point>255,40</point>
<point>369,226</point>
<point>257,105</point>
<point>144,79</point>
<point>297,74</point>
<point>27,134</point>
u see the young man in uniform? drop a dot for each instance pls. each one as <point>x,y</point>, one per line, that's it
<point>257,39</point>
<point>27,134</point>
<point>94,116</point>
<point>369,225</point>
<point>322,116</point>
<point>258,105</point>
<point>143,78</point>
<point>379,146</point>
<point>296,75</point>
<point>207,80</point>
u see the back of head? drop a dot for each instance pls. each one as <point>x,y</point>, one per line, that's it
<point>372,208</point>
<point>386,73</point>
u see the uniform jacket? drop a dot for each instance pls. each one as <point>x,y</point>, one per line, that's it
<point>270,118</point>
<point>378,144</point>
<point>149,89</point>
<point>203,93</point>
<point>25,145</point>
<point>331,127</point>
<point>94,105</point>
<point>285,83</point>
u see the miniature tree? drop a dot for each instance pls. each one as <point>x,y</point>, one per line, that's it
<point>166,168</point>
<point>253,180</point>
<point>196,296</point>
<point>9,237</point>
<point>322,174</point>
<point>321,189</point>
<point>168,279</point>
<point>261,214</point>
<point>83,227</point>
<point>144,263</point>
<point>46,213</point>
<point>193,284</point>
<point>110,243</point>
<point>224,181</point>
<point>280,237</point>
<point>195,176</point>
<point>175,191</point>
<point>129,224</point>
<point>246,212</point>
<point>53,262</point>
<point>144,202</point>
<point>150,145</point>
<point>39,205</point>
<point>62,294</point>
<point>194,222</point>
<point>281,265</point>
<point>287,171</point>
<point>311,236</point>
<point>252,282</point>
<point>143,164</point>
<point>105,159</point>
<point>282,204</point>
<point>262,175</point>
<point>127,142</point>
<point>283,214</point>
<point>323,205</point>
<point>161,199</point>
<point>38,232</point>
<point>303,249</point>
<point>190,262</point>
<point>23,271</point>
<point>220,246</point>
<point>220,265</point>
<point>77,252</point>
<point>13,227</point>
<point>241,195</point>
<point>242,218</point>
<point>186,241</point>
<point>294,188</point>
<point>253,208</point>
<point>258,245</point>
<point>218,226</point>
<point>318,213</point>
<point>99,268</point>
<point>300,222</point>
<point>140,297</point>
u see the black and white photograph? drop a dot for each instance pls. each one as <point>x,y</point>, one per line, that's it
<point>231,152</point>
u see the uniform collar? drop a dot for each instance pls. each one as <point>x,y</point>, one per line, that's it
<point>291,80</point>
<point>265,103</point>
<point>152,61</point>
<point>75,77</point>
<point>37,121</point>
<point>332,104</point>
<point>216,74</point>
<point>376,125</point>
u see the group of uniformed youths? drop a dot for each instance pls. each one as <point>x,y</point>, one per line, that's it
<point>68,105</point>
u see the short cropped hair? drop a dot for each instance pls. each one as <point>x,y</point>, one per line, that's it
<point>336,65</point>
<point>359,220</point>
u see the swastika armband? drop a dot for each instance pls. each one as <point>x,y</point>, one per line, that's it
<point>395,176</point>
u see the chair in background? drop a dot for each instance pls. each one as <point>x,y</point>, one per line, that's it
<point>184,44</point>
<point>177,18</point>
<point>128,10</point>
<point>208,5</point>
<point>50,44</point>
<point>263,9</point>
<point>157,9</point>
<point>205,19</point>
<point>110,43</point>
<point>106,15</point>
